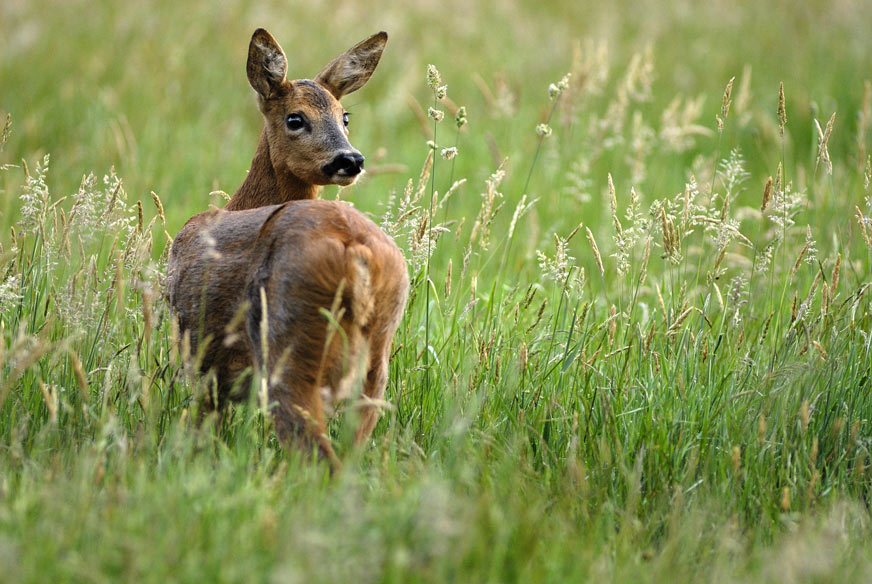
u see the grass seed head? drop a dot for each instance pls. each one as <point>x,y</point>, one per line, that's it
<point>725,104</point>
<point>6,132</point>
<point>823,154</point>
<point>596,253</point>
<point>543,130</point>
<point>782,110</point>
<point>767,195</point>
<point>434,80</point>
<point>460,117</point>
<point>160,208</point>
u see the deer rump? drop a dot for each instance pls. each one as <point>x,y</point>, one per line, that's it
<point>302,258</point>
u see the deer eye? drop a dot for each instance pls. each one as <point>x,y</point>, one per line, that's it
<point>345,119</point>
<point>295,122</point>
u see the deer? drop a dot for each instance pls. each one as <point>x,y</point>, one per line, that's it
<point>308,293</point>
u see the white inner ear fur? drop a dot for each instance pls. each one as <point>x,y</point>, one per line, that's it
<point>273,61</point>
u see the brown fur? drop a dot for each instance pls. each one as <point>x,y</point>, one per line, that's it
<point>303,257</point>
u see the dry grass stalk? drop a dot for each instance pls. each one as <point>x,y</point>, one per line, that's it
<point>613,324</point>
<point>863,227</point>
<point>50,395</point>
<point>823,153</point>
<point>522,360</point>
<point>644,271</point>
<point>836,271</point>
<point>79,372</point>
<point>725,104</point>
<point>676,326</point>
<point>160,208</point>
<point>799,258</point>
<point>596,253</point>
<point>767,195</point>
<point>825,299</point>
<point>448,280</point>
<point>782,110</point>
<point>613,205</point>
<point>7,130</point>
<point>779,180</point>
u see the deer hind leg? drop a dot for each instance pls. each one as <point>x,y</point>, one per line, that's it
<point>299,420</point>
<point>294,395</point>
<point>373,388</point>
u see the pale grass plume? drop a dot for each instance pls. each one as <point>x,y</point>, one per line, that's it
<point>578,177</point>
<point>559,266</point>
<point>556,89</point>
<point>520,210</point>
<point>867,175</point>
<point>725,104</point>
<point>743,98</point>
<point>435,114</point>
<point>643,272</point>
<point>767,195</point>
<point>434,79</point>
<point>596,253</point>
<point>823,153</point>
<point>6,132</point>
<point>613,205</point>
<point>490,205</point>
<point>160,209</point>
<point>10,291</point>
<point>35,197</point>
<point>782,110</point>
<point>679,123</point>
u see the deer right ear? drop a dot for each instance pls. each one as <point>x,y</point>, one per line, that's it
<point>267,65</point>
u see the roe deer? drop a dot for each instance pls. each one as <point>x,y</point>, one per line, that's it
<point>274,262</point>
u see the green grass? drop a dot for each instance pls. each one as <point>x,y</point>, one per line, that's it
<point>693,412</point>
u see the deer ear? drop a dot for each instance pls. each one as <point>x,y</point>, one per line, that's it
<point>267,65</point>
<point>351,70</point>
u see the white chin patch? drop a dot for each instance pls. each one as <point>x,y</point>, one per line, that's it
<point>340,178</point>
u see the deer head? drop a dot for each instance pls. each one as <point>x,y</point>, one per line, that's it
<point>306,128</point>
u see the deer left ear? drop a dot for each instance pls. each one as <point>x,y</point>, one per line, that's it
<point>267,65</point>
<point>351,70</point>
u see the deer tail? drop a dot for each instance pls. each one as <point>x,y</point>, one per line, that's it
<point>358,258</point>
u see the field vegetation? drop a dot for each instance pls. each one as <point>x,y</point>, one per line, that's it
<point>637,345</point>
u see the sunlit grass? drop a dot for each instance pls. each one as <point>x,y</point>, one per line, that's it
<point>637,340</point>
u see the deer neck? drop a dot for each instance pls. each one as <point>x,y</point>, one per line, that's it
<point>264,186</point>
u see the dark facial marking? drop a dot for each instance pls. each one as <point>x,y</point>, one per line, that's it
<point>315,93</point>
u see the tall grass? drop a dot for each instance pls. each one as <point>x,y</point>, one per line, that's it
<point>637,344</point>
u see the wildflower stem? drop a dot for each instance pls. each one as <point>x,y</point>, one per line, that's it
<point>426,389</point>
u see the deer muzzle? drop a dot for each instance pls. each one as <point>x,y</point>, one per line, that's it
<point>349,163</point>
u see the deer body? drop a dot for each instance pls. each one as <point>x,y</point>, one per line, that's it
<point>251,284</point>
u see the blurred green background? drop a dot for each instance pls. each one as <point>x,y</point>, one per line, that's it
<point>157,89</point>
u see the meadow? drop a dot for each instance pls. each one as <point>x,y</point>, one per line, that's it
<point>637,343</point>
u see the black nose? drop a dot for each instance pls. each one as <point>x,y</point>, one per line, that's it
<point>345,164</point>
